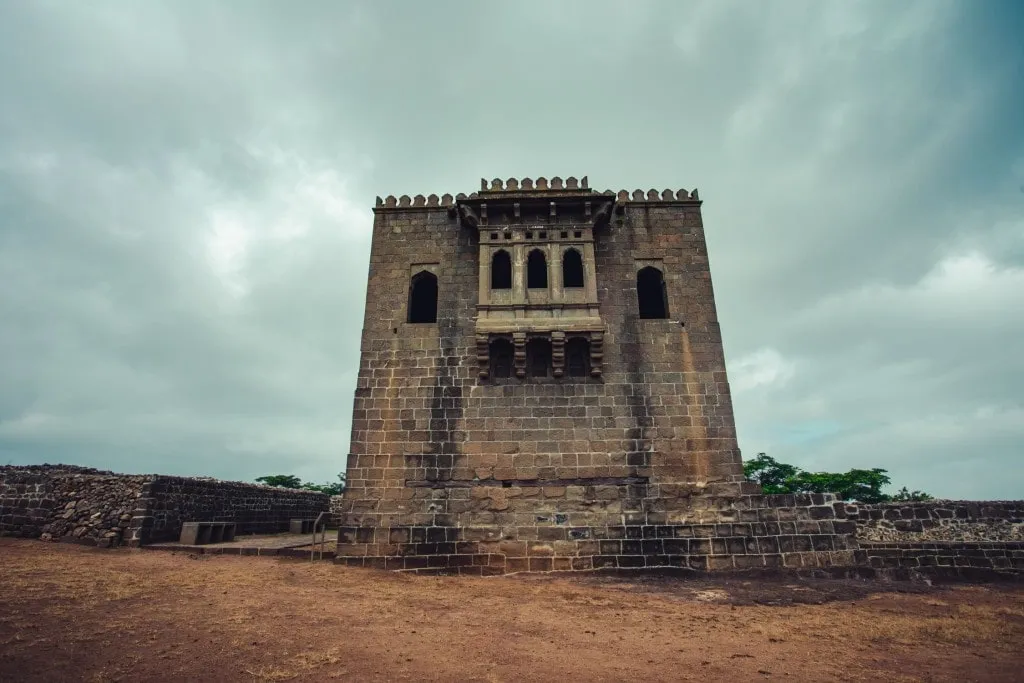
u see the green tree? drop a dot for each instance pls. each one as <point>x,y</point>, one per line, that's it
<point>903,495</point>
<point>332,488</point>
<point>287,481</point>
<point>290,481</point>
<point>772,475</point>
<point>861,485</point>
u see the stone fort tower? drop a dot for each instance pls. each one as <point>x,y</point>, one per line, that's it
<point>541,380</point>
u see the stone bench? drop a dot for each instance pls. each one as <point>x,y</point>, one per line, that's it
<point>201,533</point>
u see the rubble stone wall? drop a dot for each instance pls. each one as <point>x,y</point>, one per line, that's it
<point>83,505</point>
<point>68,503</point>
<point>960,521</point>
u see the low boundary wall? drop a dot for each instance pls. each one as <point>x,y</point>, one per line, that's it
<point>967,521</point>
<point>105,509</point>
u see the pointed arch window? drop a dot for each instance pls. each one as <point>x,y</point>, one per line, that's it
<point>501,270</point>
<point>650,292</point>
<point>423,298</point>
<point>572,269</point>
<point>536,270</point>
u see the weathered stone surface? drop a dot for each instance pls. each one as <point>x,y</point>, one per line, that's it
<point>637,436</point>
<point>939,520</point>
<point>56,502</point>
<point>458,443</point>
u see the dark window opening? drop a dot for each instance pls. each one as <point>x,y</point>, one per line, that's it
<point>536,270</point>
<point>563,234</point>
<point>538,357</point>
<point>501,270</point>
<point>543,235</point>
<point>577,234</point>
<point>572,269</point>
<point>494,235</point>
<point>508,235</point>
<point>529,235</point>
<point>501,353</point>
<point>423,298</point>
<point>650,293</point>
<point>577,357</point>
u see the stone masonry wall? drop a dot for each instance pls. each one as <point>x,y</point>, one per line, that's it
<point>719,533</point>
<point>944,539</point>
<point>83,505</point>
<point>166,503</point>
<point>67,503</point>
<point>939,520</point>
<point>951,560</point>
<point>426,429</point>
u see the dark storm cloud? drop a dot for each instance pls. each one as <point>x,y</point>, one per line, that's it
<point>185,191</point>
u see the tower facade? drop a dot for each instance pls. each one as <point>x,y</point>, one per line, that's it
<point>541,373</point>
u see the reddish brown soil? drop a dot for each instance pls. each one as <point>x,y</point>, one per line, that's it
<point>72,613</point>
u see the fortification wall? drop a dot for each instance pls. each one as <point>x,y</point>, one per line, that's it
<point>434,445</point>
<point>166,503</point>
<point>961,521</point>
<point>951,560</point>
<point>75,504</point>
<point>718,533</point>
<point>944,539</point>
<point>83,505</point>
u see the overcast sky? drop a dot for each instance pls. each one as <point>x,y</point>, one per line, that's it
<point>186,192</point>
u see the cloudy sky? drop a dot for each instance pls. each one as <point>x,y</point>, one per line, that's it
<point>185,194</point>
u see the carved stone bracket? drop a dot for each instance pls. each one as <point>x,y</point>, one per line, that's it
<point>519,357</point>
<point>467,217</point>
<point>483,355</point>
<point>558,353</point>
<point>596,353</point>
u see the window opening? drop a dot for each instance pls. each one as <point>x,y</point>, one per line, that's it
<point>536,270</point>
<point>572,269</point>
<point>501,270</point>
<point>501,353</point>
<point>577,357</point>
<point>651,295</point>
<point>423,298</point>
<point>538,357</point>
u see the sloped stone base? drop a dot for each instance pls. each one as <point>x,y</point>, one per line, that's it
<point>709,533</point>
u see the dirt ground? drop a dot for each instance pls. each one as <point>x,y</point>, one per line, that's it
<point>70,613</point>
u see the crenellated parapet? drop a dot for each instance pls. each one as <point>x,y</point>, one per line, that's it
<point>654,196</point>
<point>535,188</point>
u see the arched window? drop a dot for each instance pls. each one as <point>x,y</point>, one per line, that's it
<point>650,293</point>
<point>572,269</point>
<point>538,357</point>
<point>501,270</point>
<point>423,298</point>
<point>501,358</point>
<point>537,270</point>
<point>577,357</point>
